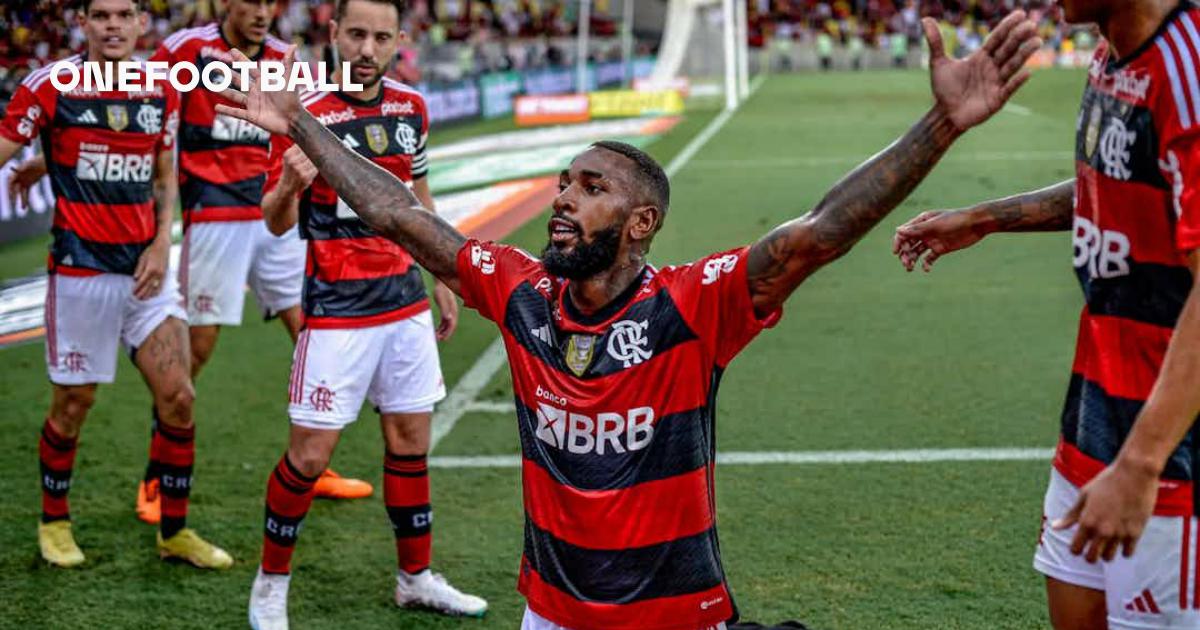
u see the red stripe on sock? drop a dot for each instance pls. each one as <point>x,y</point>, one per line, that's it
<point>57,454</point>
<point>409,488</point>
<point>176,448</point>
<point>289,495</point>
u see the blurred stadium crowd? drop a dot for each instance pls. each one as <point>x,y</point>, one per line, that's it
<point>456,39</point>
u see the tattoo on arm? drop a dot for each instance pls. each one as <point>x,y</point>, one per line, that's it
<point>383,202</point>
<point>781,260</point>
<point>1046,210</point>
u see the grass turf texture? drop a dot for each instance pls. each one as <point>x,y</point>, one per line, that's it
<point>865,357</point>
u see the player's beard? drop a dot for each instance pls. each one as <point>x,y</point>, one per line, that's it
<point>587,258</point>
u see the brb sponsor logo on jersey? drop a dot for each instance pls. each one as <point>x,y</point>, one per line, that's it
<point>607,432</point>
<point>97,164</point>
<point>1105,253</point>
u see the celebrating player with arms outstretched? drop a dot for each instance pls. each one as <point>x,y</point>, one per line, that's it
<point>617,467</point>
<point>1128,447</point>
<point>111,160</point>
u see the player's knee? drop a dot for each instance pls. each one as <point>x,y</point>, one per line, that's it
<point>75,402</point>
<point>310,461</point>
<point>175,404</point>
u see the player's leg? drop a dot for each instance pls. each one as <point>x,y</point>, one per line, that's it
<point>405,387</point>
<point>213,263</point>
<point>155,330</point>
<point>83,324</point>
<point>330,373</point>
<point>277,279</point>
<point>1074,588</point>
<point>1074,607</point>
<point>1157,586</point>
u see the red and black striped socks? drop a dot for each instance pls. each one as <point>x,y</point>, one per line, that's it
<point>176,450</point>
<point>406,495</point>
<point>289,495</point>
<point>57,458</point>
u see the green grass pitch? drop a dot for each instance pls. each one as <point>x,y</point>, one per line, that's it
<point>866,357</point>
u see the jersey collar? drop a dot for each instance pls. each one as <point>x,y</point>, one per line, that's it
<point>572,316</point>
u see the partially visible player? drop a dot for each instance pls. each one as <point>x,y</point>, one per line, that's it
<point>616,363</point>
<point>111,161</point>
<point>222,167</point>
<point>1126,463</point>
<point>369,333</point>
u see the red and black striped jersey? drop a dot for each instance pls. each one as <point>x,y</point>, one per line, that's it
<point>222,159</point>
<point>1137,215</point>
<point>354,277</point>
<point>616,415</point>
<point>100,148</point>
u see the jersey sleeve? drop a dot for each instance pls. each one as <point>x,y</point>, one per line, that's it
<point>1179,161</point>
<point>170,129</point>
<point>489,272</point>
<point>28,113</point>
<point>713,295</point>
<point>420,160</point>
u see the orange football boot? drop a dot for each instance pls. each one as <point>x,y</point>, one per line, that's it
<point>149,507</point>
<point>331,485</point>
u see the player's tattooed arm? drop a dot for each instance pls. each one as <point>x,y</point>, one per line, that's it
<point>786,256</point>
<point>931,235</point>
<point>967,92</point>
<point>381,200</point>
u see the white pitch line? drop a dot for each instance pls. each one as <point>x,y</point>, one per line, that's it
<point>462,397</point>
<point>828,160</point>
<point>464,392</point>
<point>1018,109</point>
<point>739,458</point>
<point>491,406</point>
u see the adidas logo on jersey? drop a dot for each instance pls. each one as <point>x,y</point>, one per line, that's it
<point>1143,603</point>
<point>88,117</point>
<point>542,333</point>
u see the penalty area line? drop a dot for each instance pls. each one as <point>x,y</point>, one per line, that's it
<point>759,458</point>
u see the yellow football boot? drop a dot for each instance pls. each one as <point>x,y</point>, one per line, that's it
<point>58,545</point>
<point>188,546</point>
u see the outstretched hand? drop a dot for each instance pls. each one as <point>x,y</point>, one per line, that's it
<point>271,110</point>
<point>931,235</point>
<point>970,90</point>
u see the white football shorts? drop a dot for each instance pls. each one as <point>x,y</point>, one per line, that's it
<point>220,258</point>
<point>1156,588</point>
<point>87,316</point>
<point>334,370</point>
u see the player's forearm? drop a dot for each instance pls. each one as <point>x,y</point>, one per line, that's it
<point>780,261</point>
<point>281,209</point>
<point>1174,402</point>
<point>1047,210</point>
<point>867,194</point>
<point>381,200</point>
<point>8,150</point>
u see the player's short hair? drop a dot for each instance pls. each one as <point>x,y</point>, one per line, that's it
<point>401,7</point>
<point>84,5</point>
<point>650,175</point>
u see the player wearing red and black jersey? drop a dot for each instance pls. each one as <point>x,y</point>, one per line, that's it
<point>368,331</point>
<point>615,363</point>
<point>1135,223</point>
<point>226,247</point>
<point>110,155</point>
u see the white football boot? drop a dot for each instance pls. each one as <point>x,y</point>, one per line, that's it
<point>430,590</point>
<point>268,601</point>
